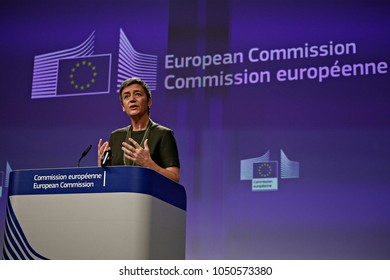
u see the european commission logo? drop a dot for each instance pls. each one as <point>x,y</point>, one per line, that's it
<point>79,71</point>
<point>264,173</point>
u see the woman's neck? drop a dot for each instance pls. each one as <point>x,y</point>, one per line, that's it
<point>140,124</point>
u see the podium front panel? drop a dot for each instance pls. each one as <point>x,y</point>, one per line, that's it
<point>126,213</point>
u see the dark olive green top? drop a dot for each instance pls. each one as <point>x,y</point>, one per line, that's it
<point>161,142</point>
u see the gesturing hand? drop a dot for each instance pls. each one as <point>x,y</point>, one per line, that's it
<point>136,153</point>
<point>102,147</point>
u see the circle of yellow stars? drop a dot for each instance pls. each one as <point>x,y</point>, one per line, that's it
<point>264,167</point>
<point>74,70</point>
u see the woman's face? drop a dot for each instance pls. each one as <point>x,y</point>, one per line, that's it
<point>135,101</point>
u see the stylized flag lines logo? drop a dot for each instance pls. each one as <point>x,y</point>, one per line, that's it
<point>77,71</point>
<point>264,173</point>
<point>45,71</point>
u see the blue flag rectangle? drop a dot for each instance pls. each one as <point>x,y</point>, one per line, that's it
<point>267,169</point>
<point>84,75</point>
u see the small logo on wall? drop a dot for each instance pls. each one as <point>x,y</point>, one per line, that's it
<point>265,176</point>
<point>264,173</point>
<point>78,71</point>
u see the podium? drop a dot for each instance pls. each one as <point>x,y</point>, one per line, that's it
<point>94,213</point>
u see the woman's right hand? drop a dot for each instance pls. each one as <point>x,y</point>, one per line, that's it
<point>102,147</point>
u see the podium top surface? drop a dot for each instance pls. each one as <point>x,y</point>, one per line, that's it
<point>127,179</point>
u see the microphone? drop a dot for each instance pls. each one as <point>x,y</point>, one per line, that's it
<point>106,157</point>
<point>84,154</point>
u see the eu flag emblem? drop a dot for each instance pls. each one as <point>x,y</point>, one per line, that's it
<point>84,75</point>
<point>267,169</point>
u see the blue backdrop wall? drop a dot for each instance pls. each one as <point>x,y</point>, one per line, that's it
<point>280,110</point>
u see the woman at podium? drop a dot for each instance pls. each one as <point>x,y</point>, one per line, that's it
<point>143,142</point>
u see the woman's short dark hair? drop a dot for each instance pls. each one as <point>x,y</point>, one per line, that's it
<point>132,81</point>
